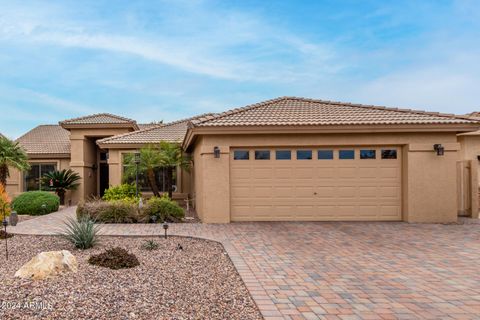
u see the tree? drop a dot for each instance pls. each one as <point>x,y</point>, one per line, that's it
<point>149,162</point>
<point>11,156</point>
<point>61,181</point>
<point>152,157</point>
<point>171,156</point>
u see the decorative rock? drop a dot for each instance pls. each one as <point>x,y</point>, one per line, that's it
<point>48,264</point>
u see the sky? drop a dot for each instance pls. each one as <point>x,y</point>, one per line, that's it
<point>170,59</point>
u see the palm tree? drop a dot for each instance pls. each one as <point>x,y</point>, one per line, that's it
<point>149,162</point>
<point>11,155</point>
<point>152,157</point>
<point>172,156</point>
<point>61,181</point>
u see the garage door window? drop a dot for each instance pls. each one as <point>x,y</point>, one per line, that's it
<point>346,154</point>
<point>283,155</point>
<point>389,154</point>
<point>240,155</point>
<point>262,155</point>
<point>368,154</point>
<point>304,154</point>
<point>325,154</point>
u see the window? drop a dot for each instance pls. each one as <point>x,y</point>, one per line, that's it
<point>283,154</point>
<point>346,154</point>
<point>389,154</point>
<point>368,154</point>
<point>262,155</point>
<point>304,154</point>
<point>325,154</point>
<point>160,178</point>
<point>240,155</point>
<point>33,177</point>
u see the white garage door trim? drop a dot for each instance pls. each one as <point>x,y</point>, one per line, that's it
<point>359,189</point>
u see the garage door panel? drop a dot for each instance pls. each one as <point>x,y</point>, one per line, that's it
<point>304,192</point>
<point>367,192</point>
<point>327,189</point>
<point>283,192</point>
<point>303,173</point>
<point>240,192</point>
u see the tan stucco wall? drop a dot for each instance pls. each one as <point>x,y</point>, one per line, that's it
<point>429,181</point>
<point>84,154</point>
<point>469,175</point>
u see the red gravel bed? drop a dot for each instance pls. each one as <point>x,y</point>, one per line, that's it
<point>198,282</point>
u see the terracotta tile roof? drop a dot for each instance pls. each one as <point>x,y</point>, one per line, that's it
<point>473,115</point>
<point>142,126</point>
<point>291,111</point>
<point>46,139</point>
<point>99,118</point>
<point>170,132</point>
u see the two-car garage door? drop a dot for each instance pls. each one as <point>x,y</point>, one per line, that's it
<point>341,183</point>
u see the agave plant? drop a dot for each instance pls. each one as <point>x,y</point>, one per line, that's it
<point>82,233</point>
<point>61,181</point>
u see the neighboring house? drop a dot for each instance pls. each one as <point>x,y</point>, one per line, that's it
<point>282,159</point>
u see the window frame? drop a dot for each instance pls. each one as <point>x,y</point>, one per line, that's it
<point>240,159</point>
<point>388,158</point>
<point>261,151</point>
<point>346,150</point>
<point>38,180</point>
<point>283,150</point>
<point>304,150</point>
<point>331,151</point>
<point>368,150</point>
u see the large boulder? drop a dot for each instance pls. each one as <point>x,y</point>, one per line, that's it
<point>48,264</point>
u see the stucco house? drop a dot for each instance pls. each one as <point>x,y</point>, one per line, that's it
<point>283,159</point>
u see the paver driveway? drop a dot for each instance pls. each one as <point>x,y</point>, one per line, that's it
<point>343,270</point>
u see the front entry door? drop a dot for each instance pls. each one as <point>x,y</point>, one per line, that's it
<point>103,178</point>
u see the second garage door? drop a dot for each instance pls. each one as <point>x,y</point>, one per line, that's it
<point>341,183</point>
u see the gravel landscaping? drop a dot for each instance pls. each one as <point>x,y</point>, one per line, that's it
<point>198,282</point>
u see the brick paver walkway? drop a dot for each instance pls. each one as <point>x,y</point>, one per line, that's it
<point>339,270</point>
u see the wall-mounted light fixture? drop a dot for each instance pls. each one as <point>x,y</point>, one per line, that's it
<point>94,167</point>
<point>439,149</point>
<point>216,152</point>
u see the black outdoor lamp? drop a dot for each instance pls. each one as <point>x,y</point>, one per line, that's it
<point>216,152</point>
<point>5,224</point>
<point>165,227</point>
<point>137,163</point>
<point>439,149</point>
<point>44,208</point>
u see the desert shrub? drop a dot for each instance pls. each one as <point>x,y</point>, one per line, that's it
<point>5,235</point>
<point>115,211</point>
<point>83,233</point>
<point>31,203</point>
<point>121,192</point>
<point>115,258</point>
<point>164,209</point>
<point>150,245</point>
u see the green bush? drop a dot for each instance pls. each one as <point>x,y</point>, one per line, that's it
<point>82,233</point>
<point>164,209</point>
<point>31,203</point>
<point>120,192</point>
<point>115,211</point>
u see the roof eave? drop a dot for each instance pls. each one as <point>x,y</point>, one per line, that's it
<point>49,155</point>
<point>68,126</point>
<point>329,129</point>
